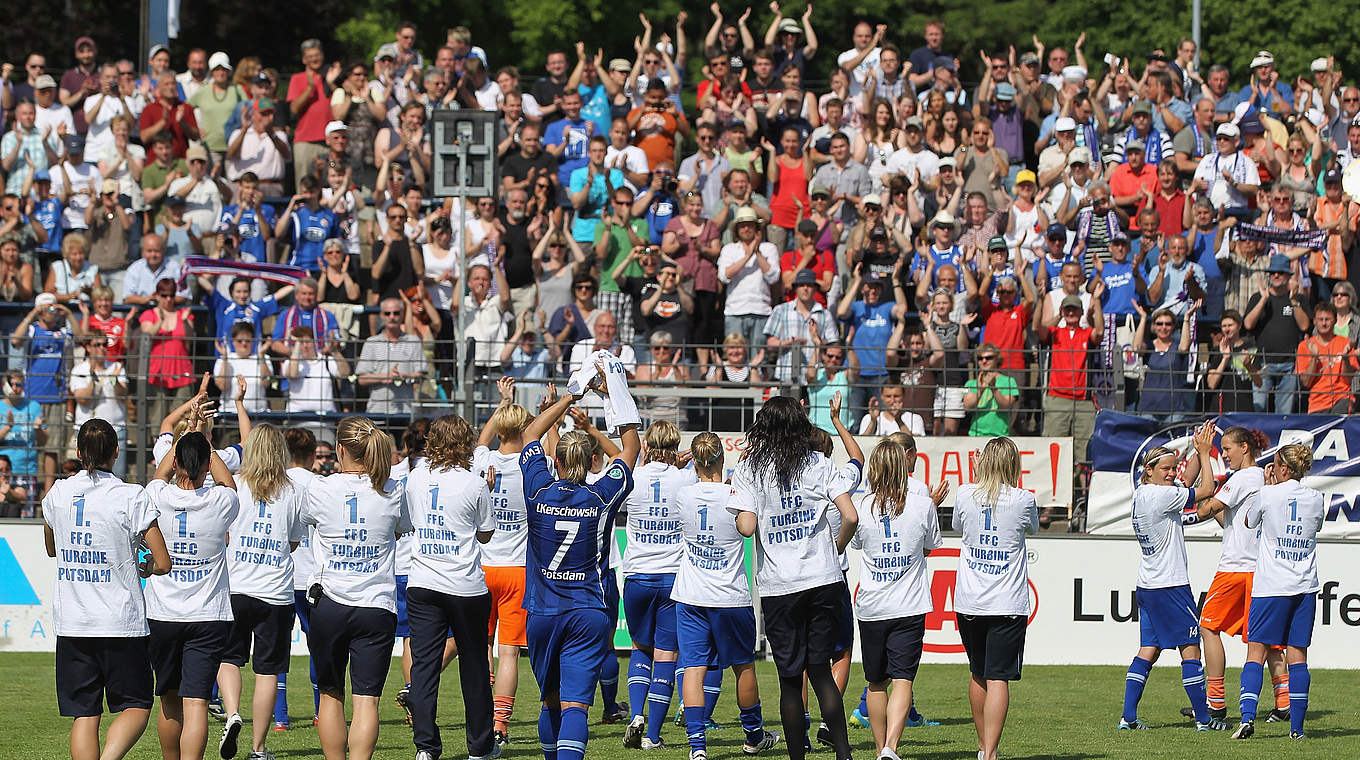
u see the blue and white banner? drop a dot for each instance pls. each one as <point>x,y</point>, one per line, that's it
<point>1121,439</point>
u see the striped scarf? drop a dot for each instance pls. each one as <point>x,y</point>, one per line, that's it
<point>1091,141</point>
<point>324,324</point>
<point>1153,142</point>
<point>1298,236</point>
<point>280,273</point>
<point>1198,134</point>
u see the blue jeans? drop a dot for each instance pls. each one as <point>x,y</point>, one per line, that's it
<point>1277,378</point>
<point>867,388</point>
<point>749,326</point>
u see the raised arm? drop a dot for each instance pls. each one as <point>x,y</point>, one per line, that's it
<point>847,439</point>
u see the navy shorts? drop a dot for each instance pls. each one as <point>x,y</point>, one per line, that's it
<point>91,670</point>
<point>845,625</point>
<point>715,637</point>
<point>892,648</point>
<point>262,628</point>
<point>403,625</point>
<point>565,652</point>
<point>1167,618</point>
<point>802,627</point>
<point>186,656</point>
<point>1282,620</point>
<point>650,611</point>
<point>357,637</point>
<point>995,645</point>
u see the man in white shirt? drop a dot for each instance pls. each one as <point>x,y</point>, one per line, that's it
<point>391,363</point>
<point>201,193</point>
<point>749,266</point>
<point>606,338</point>
<point>259,148</point>
<point>75,183</point>
<point>1227,176</point>
<point>100,110</point>
<point>52,113</point>
<point>863,57</point>
<point>486,319</point>
<point>626,157</point>
<point>195,75</point>
<point>913,159</point>
<point>99,389</point>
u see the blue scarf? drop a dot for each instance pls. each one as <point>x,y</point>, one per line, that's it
<point>1199,138</point>
<point>1153,151</point>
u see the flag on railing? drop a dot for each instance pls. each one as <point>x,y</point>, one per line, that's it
<point>281,273</point>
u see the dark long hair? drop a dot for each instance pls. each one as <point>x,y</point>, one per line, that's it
<point>192,454</point>
<point>778,440</point>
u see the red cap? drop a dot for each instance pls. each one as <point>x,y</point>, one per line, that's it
<point>85,41</point>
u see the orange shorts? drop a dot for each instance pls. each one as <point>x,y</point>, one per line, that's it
<point>1226,604</point>
<point>506,585</point>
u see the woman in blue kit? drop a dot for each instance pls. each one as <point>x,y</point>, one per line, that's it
<point>570,521</point>
<point>656,544</point>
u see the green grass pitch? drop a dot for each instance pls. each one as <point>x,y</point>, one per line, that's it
<point>1057,713</point>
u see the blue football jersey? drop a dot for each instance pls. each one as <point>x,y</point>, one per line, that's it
<point>569,526</point>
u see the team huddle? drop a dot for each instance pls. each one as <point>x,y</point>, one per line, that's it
<point>1265,589</point>
<point>470,537</point>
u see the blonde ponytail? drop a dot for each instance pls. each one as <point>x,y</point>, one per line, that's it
<point>368,445</point>
<point>574,450</point>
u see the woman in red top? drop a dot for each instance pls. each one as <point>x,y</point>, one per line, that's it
<point>788,173</point>
<point>694,242</point>
<point>171,370</point>
<point>104,320</point>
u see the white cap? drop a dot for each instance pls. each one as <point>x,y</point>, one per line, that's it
<point>45,299</point>
<point>1074,73</point>
<point>1228,129</point>
<point>219,60</point>
<point>1065,124</point>
<point>1079,155</point>
<point>1318,65</point>
<point>335,126</point>
<point>1263,58</point>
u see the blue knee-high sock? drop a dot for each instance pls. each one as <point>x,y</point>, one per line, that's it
<point>1134,681</point>
<point>680,691</point>
<point>864,703</point>
<point>1192,678</point>
<point>609,682</point>
<point>713,680</point>
<point>316,693</point>
<point>912,714</point>
<point>549,723</point>
<point>1252,674</point>
<point>281,700</point>
<point>571,737</point>
<point>694,728</point>
<point>639,681</point>
<point>753,723</point>
<point>1299,681</point>
<point>659,698</point>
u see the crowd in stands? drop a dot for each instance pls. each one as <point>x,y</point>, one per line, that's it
<point>726,211</point>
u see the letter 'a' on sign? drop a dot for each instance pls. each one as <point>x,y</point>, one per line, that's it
<point>464,147</point>
<point>14,585</point>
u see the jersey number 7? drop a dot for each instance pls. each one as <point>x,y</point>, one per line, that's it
<point>570,529</point>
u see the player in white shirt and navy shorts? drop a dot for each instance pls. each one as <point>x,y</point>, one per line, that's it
<point>302,453</point>
<point>189,608</point>
<point>781,493</point>
<point>991,591</point>
<point>93,523</point>
<point>656,544</point>
<point>1286,516</point>
<point>260,567</point>
<point>1167,618</point>
<point>715,622</point>
<point>450,507</point>
<point>900,528</point>
<point>357,513</point>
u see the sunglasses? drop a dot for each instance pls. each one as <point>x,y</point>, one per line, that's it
<point>987,358</point>
<point>1350,100</point>
<point>834,357</point>
<point>396,217</point>
<point>585,287</point>
<point>396,313</point>
<point>1163,324</point>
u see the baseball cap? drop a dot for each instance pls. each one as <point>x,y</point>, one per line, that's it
<point>219,60</point>
<point>1079,155</point>
<point>873,199</point>
<point>262,78</point>
<point>1228,129</point>
<point>1134,145</point>
<point>807,227</point>
<point>75,144</point>
<point>1029,57</point>
<point>1070,302</point>
<point>1074,73</point>
<point>335,126</point>
<point>879,232</point>
<point>157,49</point>
<point>1251,125</point>
<point>943,62</point>
<point>620,64</point>
<point>1056,230</point>
<point>1065,124</point>
<point>805,277</point>
<point>1142,107</point>
<point>262,103</point>
<point>85,41</point>
<point>196,152</point>
<point>1332,175</point>
<point>108,186</point>
<point>1005,91</point>
<point>913,121</point>
<point>1318,65</point>
<point>997,243</point>
<point>1263,58</point>
<point>45,299</point>
<point>386,50</point>
<point>948,162</point>
<point>819,190</point>
<point>790,26</point>
<point>42,175</point>
<point>44,82</point>
<point>1026,175</point>
<point>1118,236</point>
